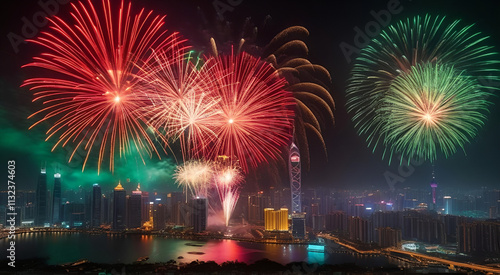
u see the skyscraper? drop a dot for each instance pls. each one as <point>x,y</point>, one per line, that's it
<point>199,214</point>
<point>134,215</point>
<point>41,199</point>
<point>298,218</point>
<point>119,208</point>
<point>56,199</point>
<point>96,206</point>
<point>448,205</point>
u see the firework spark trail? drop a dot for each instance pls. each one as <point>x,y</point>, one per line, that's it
<point>92,87</point>
<point>256,118</point>
<point>227,181</point>
<point>184,104</point>
<point>408,63</point>
<point>196,176</point>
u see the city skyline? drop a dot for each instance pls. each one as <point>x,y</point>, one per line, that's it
<point>347,153</point>
<point>228,134</point>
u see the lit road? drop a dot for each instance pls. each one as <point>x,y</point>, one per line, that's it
<point>447,262</point>
<point>472,266</point>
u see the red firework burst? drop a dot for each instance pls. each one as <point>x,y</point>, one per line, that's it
<point>184,105</point>
<point>91,89</point>
<point>256,113</point>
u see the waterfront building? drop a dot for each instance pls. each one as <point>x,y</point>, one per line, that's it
<point>56,199</point>
<point>96,207</point>
<point>119,208</point>
<point>135,209</point>
<point>199,214</point>
<point>41,199</point>
<point>276,220</point>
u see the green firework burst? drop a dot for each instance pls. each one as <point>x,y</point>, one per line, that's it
<point>432,108</point>
<point>411,50</point>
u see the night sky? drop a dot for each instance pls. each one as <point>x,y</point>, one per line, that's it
<point>349,164</point>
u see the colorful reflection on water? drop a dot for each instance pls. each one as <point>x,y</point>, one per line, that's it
<point>61,248</point>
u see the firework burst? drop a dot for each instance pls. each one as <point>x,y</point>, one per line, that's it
<point>184,104</point>
<point>92,87</point>
<point>432,108</point>
<point>196,176</point>
<point>256,117</point>
<point>418,87</point>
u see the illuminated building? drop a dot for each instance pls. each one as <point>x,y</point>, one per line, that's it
<point>96,206</point>
<point>447,205</point>
<point>295,171</point>
<point>276,220</point>
<point>434,185</point>
<point>199,214</point>
<point>119,208</point>
<point>41,199</point>
<point>56,199</point>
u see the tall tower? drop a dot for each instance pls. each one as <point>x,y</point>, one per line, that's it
<point>119,207</point>
<point>298,218</point>
<point>434,185</point>
<point>56,199</point>
<point>294,167</point>
<point>96,206</point>
<point>41,199</point>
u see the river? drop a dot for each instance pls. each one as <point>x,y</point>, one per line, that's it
<point>63,247</point>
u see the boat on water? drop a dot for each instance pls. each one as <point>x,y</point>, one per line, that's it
<point>194,244</point>
<point>142,259</point>
<point>316,248</point>
<point>196,253</point>
<point>180,257</point>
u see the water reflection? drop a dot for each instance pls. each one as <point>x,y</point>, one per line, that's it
<point>61,248</point>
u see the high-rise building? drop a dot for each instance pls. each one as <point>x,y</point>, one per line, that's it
<point>119,208</point>
<point>479,237</point>
<point>159,215</point>
<point>144,204</point>
<point>298,225</point>
<point>56,199</point>
<point>73,215</point>
<point>199,214</point>
<point>336,221</point>
<point>276,220</point>
<point>388,237</point>
<point>175,211</point>
<point>134,213</point>
<point>448,210</point>
<point>295,171</point>
<point>360,229</point>
<point>41,199</point>
<point>105,209</point>
<point>96,206</point>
